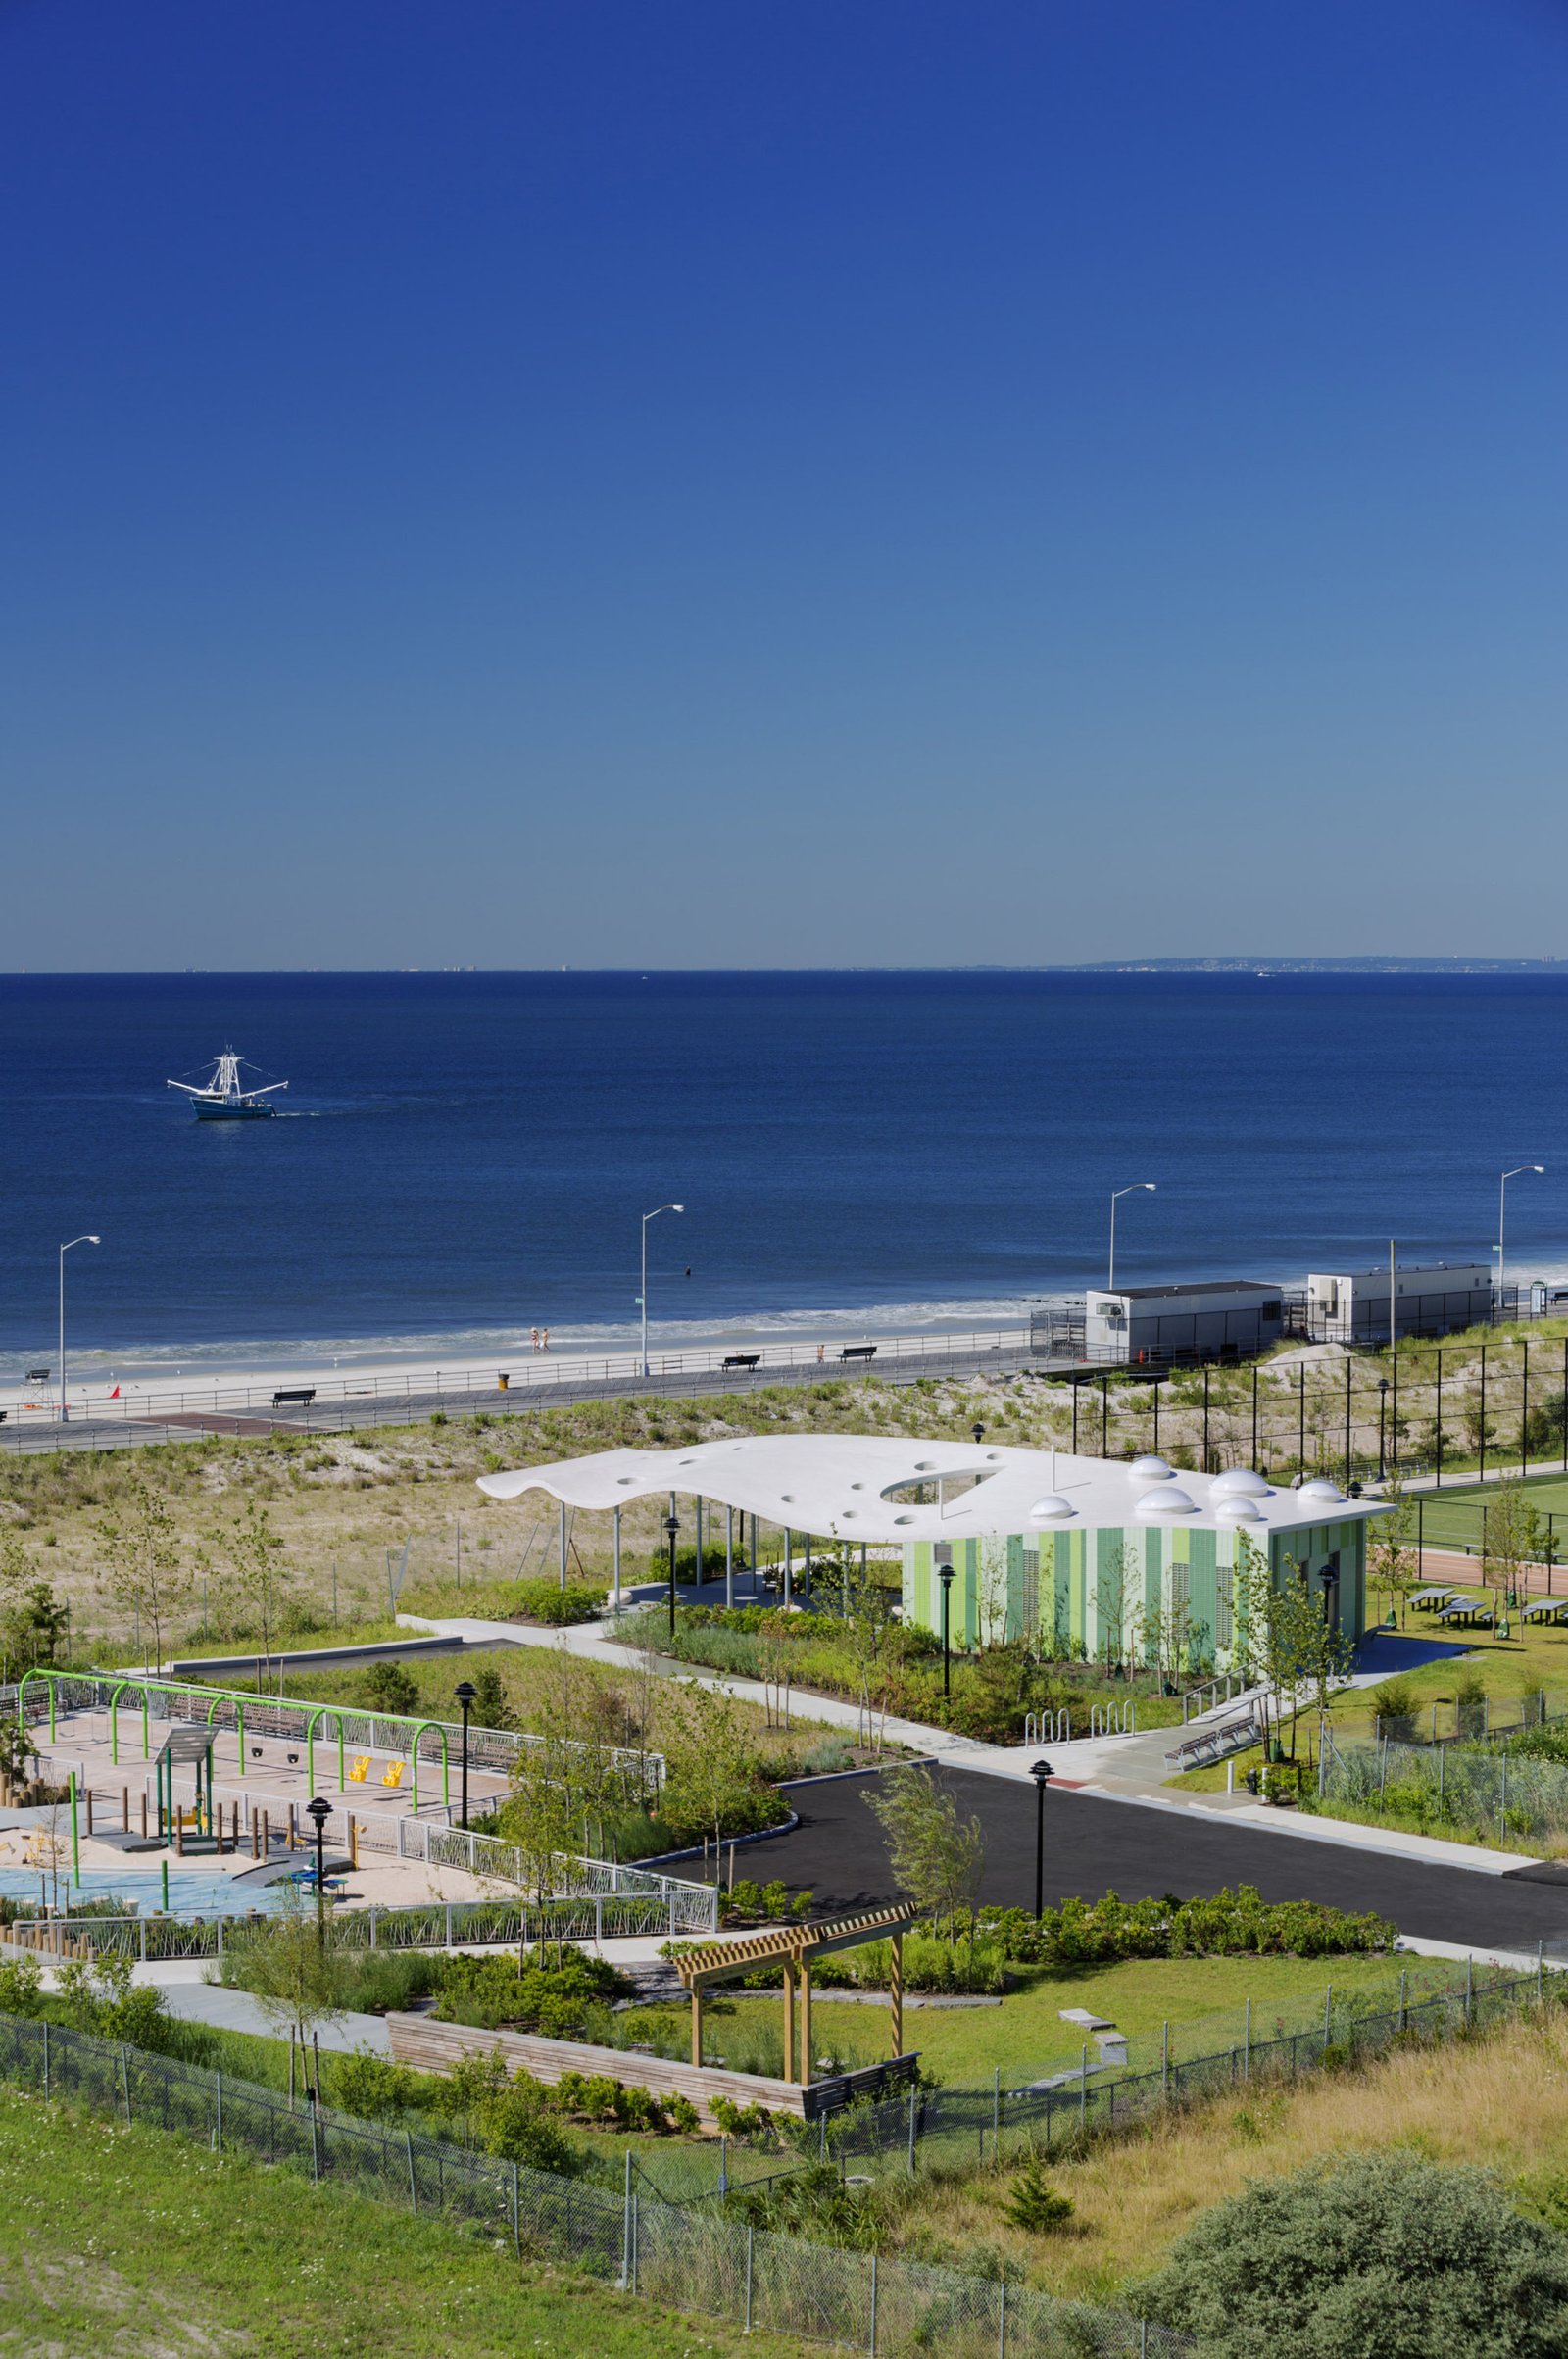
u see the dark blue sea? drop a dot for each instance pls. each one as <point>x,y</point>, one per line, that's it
<point>463,1156</point>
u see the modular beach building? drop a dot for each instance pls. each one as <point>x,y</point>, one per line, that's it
<point>1068,1552</point>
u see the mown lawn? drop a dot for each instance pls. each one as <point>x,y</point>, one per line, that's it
<point>133,2242</point>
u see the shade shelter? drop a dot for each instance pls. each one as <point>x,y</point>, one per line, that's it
<point>796,1948</point>
<point>187,1747</point>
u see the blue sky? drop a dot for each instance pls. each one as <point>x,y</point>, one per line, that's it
<point>745,483</point>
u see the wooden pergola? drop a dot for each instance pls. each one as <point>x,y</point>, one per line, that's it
<point>796,1948</point>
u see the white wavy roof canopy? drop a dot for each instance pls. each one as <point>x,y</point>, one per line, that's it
<point>832,1485</point>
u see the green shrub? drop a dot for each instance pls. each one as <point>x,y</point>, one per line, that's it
<point>1369,2258</point>
<point>372,2087</point>
<point>1238,1924</point>
<point>390,1688</point>
<point>21,1987</point>
<point>545,1600</point>
<point>567,2001</point>
<point>1395,1698</point>
<point>1033,2203</point>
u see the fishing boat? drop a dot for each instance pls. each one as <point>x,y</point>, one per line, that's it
<point>224,1097</point>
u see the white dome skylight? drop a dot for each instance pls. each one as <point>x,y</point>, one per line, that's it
<point>1052,1505</point>
<point>1168,1500</point>
<point>1239,1482</point>
<point>1149,1469</point>
<point>1238,1511</point>
<point>1321,1488</point>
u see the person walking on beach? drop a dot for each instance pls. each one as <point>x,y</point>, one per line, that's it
<point>544,1339</point>
<point>534,1332</point>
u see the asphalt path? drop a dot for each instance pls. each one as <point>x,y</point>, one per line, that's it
<point>364,1410</point>
<point>838,1852</point>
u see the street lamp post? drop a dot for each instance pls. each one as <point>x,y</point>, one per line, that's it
<point>466,1692</point>
<point>1502,1214</point>
<point>1146,1187</point>
<point>64,1250</point>
<point>643,1297</point>
<point>321,1811</point>
<point>671,1530</point>
<point>1042,1773</point>
<point>946,1572</point>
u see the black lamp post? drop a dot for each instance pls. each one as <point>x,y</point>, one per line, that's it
<point>1042,1773</point>
<point>1383,1402</point>
<point>946,1572</point>
<point>466,1692</point>
<point>321,1811</point>
<point>672,1529</point>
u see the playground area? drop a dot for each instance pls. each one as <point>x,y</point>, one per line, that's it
<point>192,1799</point>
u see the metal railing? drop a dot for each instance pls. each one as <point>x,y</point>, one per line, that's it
<point>370,1397</point>
<point>691,2259</point>
<point>686,1909</point>
<point>300,1720</point>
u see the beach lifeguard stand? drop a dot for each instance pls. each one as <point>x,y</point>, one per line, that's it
<point>187,1747</point>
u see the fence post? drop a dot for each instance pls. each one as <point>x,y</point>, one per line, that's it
<point>1469,1986</point>
<point>1402,1972</point>
<point>750,2237</point>
<point>1246,2063</point>
<point>1328,2013</point>
<point>219,1939</point>
<point>516,2224</point>
<point>626,2229</point>
<point>873,2306</point>
<point>414,2184</point>
<point>46,2035</point>
<point>995,2114</point>
<point>449,1924</point>
<point>315,2139</point>
<point>1082,2089</point>
<point>634,2239</point>
<point>217,2092</point>
<point>1002,2318</point>
<point>1540,1971</point>
<point>1164,2060</point>
<point>372,1925</point>
<point>1503,1807</point>
<point>914,2099</point>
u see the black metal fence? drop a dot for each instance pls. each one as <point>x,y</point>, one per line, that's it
<point>692,2258</point>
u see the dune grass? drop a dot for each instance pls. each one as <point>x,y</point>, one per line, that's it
<point>1495,2100</point>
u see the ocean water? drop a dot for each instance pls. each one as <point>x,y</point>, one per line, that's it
<point>463,1156</point>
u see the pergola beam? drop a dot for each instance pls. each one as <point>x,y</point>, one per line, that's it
<point>793,1948</point>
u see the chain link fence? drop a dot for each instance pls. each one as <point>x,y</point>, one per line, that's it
<point>1488,1792</point>
<point>691,2259</point>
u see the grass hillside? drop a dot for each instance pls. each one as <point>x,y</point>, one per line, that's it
<point>131,2242</point>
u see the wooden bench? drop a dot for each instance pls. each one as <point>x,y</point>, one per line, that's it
<point>743,1360</point>
<point>304,1395</point>
<point>858,1352</point>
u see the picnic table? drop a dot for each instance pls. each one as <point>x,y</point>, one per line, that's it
<point>1429,1600</point>
<point>1470,1610</point>
<point>1546,1609</point>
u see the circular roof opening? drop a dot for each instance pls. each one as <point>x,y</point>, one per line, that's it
<point>924,1466</point>
<point>1050,1506</point>
<point>1166,1501</point>
<point>1239,1482</point>
<point>904,1519</point>
<point>1149,1469</point>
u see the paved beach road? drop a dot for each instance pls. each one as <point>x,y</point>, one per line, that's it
<point>1093,1847</point>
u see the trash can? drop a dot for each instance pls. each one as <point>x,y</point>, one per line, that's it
<point>1253,1782</point>
<point>502,1381</point>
